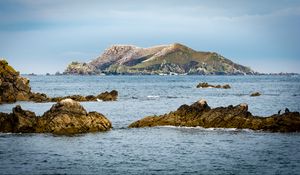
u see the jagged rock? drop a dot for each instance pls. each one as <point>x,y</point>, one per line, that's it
<point>200,114</point>
<point>206,85</point>
<point>39,97</point>
<point>13,87</point>
<point>255,94</point>
<point>64,117</point>
<point>108,96</point>
<point>23,121</point>
<point>18,121</point>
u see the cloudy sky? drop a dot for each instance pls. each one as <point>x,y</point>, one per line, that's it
<point>44,36</point>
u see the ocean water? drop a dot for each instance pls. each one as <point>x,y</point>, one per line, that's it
<point>158,150</point>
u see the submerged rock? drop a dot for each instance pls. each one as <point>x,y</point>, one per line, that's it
<point>255,94</point>
<point>200,114</point>
<point>64,117</point>
<point>206,85</point>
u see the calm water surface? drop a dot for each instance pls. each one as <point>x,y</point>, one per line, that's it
<point>159,150</point>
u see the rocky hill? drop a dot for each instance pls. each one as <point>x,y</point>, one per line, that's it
<point>164,59</point>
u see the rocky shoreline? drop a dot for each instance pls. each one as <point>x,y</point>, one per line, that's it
<point>65,117</point>
<point>14,88</point>
<point>200,114</point>
<point>104,96</point>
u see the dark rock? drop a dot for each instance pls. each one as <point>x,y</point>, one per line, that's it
<point>200,114</point>
<point>108,96</point>
<point>23,121</point>
<point>18,121</point>
<point>13,87</point>
<point>39,97</point>
<point>286,110</point>
<point>64,117</point>
<point>255,94</point>
<point>206,85</point>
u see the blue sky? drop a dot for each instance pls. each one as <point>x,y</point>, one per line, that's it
<point>44,36</point>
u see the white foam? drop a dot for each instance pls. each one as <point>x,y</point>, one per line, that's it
<point>152,96</point>
<point>206,129</point>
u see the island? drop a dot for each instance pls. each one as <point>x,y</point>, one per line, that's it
<point>172,59</point>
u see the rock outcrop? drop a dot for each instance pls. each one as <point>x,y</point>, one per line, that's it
<point>200,114</point>
<point>104,96</point>
<point>163,59</point>
<point>206,85</point>
<point>64,117</point>
<point>14,88</point>
<point>255,94</point>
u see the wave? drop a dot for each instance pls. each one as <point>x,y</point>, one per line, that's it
<point>206,129</point>
<point>153,96</point>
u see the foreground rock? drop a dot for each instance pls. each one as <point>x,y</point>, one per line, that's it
<point>64,117</point>
<point>14,88</point>
<point>200,114</point>
<point>206,85</point>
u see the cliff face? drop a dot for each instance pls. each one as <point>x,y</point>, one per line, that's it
<point>165,59</point>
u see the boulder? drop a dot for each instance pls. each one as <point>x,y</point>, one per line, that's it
<point>18,121</point>
<point>39,97</point>
<point>23,121</point>
<point>13,87</point>
<point>200,114</point>
<point>108,96</point>
<point>65,117</point>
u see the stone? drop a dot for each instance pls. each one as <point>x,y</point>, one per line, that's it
<point>23,121</point>
<point>255,94</point>
<point>108,96</point>
<point>13,87</point>
<point>200,114</point>
<point>206,85</point>
<point>65,117</point>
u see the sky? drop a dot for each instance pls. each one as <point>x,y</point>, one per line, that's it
<point>46,35</point>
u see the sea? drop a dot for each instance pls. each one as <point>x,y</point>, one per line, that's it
<point>158,150</point>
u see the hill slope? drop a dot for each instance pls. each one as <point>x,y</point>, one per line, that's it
<point>164,59</point>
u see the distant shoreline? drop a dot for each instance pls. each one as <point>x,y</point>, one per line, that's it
<point>258,74</point>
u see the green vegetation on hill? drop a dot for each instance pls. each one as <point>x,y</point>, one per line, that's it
<point>174,58</point>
